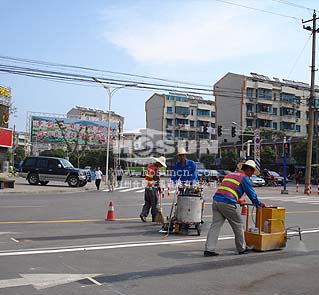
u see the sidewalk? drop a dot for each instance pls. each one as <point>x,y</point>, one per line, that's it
<point>21,185</point>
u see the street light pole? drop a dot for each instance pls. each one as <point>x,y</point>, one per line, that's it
<point>110,94</point>
<point>242,138</point>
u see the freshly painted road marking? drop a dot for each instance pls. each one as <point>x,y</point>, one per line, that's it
<point>130,189</point>
<point>94,281</point>
<point>43,281</point>
<point>123,245</point>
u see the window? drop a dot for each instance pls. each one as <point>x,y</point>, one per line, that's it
<point>42,163</point>
<point>181,122</point>
<point>169,110</point>
<point>213,114</point>
<point>249,123</point>
<point>192,112</point>
<point>53,164</point>
<point>249,107</point>
<point>203,112</point>
<point>169,122</point>
<point>274,125</point>
<point>29,162</point>
<point>192,123</point>
<point>184,134</point>
<point>250,93</point>
<point>274,111</point>
<point>298,129</point>
<point>287,97</point>
<point>264,93</point>
<point>182,111</point>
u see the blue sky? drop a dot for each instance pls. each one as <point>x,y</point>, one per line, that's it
<point>195,41</point>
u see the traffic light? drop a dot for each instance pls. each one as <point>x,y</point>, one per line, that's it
<point>286,149</point>
<point>220,130</point>
<point>233,131</point>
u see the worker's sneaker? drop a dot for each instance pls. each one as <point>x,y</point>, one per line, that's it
<point>246,251</point>
<point>209,253</point>
<point>143,218</point>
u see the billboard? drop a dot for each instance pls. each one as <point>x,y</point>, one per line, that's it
<point>6,137</point>
<point>53,130</point>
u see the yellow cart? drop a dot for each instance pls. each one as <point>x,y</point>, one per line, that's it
<point>269,232</point>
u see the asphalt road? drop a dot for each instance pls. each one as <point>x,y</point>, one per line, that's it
<point>59,243</point>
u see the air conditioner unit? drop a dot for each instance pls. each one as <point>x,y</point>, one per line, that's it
<point>297,120</point>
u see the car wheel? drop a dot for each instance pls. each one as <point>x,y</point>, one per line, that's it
<point>73,181</point>
<point>44,182</point>
<point>33,179</point>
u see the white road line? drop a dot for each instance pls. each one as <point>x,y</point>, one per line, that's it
<point>123,245</point>
<point>14,240</point>
<point>129,189</point>
<point>94,281</point>
<point>141,191</point>
<point>120,187</point>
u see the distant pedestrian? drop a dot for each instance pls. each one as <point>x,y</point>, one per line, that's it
<point>119,176</point>
<point>110,175</point>
<point>98,177</point>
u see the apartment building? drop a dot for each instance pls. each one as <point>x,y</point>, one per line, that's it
<point>182,118</point>
<point>90,114</point>
<point>257,101</point>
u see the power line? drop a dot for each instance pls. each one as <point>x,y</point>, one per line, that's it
<point>298,57</point>
<point>70,77</point>
<point>293,4</point>
<point>258,9</point>
<point>45,63</point>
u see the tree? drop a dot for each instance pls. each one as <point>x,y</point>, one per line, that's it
<point>208,160</point>
<point>267,155</point>
<point>59,153</point>
<point>229,160</point>
<point>73,146</point>
<point>299,152</point>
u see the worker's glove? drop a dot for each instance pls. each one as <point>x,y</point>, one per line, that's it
<point>263,205</point>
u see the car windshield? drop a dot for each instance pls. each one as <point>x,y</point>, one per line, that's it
<point>66,163</point>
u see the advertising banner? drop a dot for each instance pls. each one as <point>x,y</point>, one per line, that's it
<point>6,137</point>
<point>52,130</point>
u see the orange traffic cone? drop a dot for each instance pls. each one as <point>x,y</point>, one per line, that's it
<point>110,213</point>
<point>244,208</point>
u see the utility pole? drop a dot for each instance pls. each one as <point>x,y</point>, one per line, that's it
<point>311,100</point>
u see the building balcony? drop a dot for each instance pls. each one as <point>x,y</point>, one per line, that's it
<point>251,114</point>
<point>265,115</point>
<point>290,119</point>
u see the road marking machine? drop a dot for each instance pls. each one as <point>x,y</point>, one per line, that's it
<point>268,232</point>
<point>186,212</point>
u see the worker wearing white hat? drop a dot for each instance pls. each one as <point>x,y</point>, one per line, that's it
<point>225,206</point>
<point>185,170</point>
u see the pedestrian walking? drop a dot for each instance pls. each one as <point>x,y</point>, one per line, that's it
<point>152,189</point>
<point>110,175</point>
<point>119,176</point>
<point>98,177</point>
<point>225,206</point>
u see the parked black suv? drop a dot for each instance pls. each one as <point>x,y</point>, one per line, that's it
<point>43,169</point>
